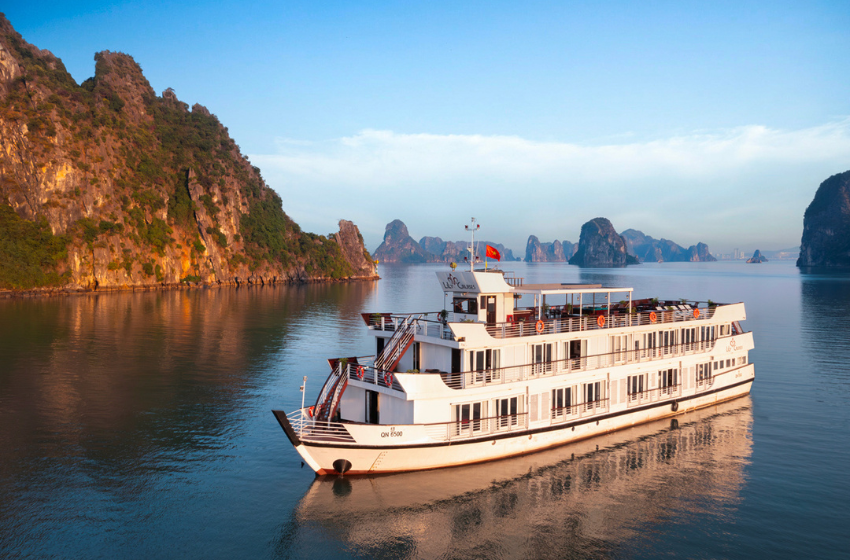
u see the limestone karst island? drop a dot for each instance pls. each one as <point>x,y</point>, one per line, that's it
<point>106,185</point>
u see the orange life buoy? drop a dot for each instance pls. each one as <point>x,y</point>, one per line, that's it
<point>652,317</point>
<point>600,320</point>
<point>696,313</point>
<point>310,411</point>
<point>388,379</point>
<point>360,372</point>
<point>539,327</point>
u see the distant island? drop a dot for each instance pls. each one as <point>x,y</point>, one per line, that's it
<point>104,184</point>
<point>757,258</point>
<point>826,225</point>
<point>600,246</point>
<point>399,247</point>
<point>648,249</point>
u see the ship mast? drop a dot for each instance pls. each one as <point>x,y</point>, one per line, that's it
<point>472,228</point>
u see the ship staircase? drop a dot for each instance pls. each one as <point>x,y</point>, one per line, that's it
<point>397,345</point>
<point>332,390</point>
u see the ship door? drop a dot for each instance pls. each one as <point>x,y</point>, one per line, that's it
<point>371,407</point>
<point>491,309</point>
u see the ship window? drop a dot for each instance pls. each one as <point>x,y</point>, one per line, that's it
<point>507,410</point>
<point>667,379</point>
<point>468,417</point>
<point>635,386</point>
<point>484,360</point>
<point>619,345</point>
<point>593,394</point>
<point>416,355</point>
<point>703,371</point>
<point>562,400</point>
<point>716,365</point>
<point>465,305</point>
<point>541,357</point>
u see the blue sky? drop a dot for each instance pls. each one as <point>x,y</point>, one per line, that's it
<point>710,121</point>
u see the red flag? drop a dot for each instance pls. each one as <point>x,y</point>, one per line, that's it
<point>492,253</point>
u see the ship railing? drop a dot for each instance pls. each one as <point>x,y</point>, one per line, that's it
<point>476,427</point>
<point>638,398</point>
<point>310,429</point>
<point>427,323</point>
<point>509,374</point>
<point>364,370</point>
<point>592,322</point>
<point>576,411</point>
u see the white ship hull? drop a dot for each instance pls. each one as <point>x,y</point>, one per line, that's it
<point>371,454</point>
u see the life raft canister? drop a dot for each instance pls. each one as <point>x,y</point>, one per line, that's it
<point>652,317</point>
<point>600,320</point>
<point>539,327</point>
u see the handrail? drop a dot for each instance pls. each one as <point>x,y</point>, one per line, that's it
<point>510,374</point>
<point>590,322</point>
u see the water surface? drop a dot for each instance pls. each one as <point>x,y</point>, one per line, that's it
<point>139,425</point>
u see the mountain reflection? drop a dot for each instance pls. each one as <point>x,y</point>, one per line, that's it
<point>136,383</point>
<point>589,499</point>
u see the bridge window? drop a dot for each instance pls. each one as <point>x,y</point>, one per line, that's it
<point>468,306</point>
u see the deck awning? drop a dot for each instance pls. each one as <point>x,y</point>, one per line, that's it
<point>567,289</point>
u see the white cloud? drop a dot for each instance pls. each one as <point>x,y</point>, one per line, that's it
<point>731,187</point>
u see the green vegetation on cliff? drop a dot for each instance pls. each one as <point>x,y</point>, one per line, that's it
<point>29,252</point>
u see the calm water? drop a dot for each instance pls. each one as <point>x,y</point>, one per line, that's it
<point>139,426</point>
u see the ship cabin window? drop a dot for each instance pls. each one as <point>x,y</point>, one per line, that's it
<point>416,356</point>
<point>468,417</point>
<point>635,384</point>
<point>668,380</point>
<point>562,400</point>
<point>541,358</point>
<point>703,371</point>
<point>742,360</point>
<point>716,365</point>
<point>574,350</point>
<point>482,361</point>
<point>593,394</point>
<point>381,341</point>
<point>650,343</point>
<point>468,306</point>
<point>507,410</point>
<point>728,363</point>
<point>618,347</point>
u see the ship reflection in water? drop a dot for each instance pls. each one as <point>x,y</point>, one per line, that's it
<point>602,497</point>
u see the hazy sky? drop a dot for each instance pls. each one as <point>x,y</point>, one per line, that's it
<point>694,121</point>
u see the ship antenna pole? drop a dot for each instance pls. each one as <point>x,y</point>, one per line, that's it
<point>472,228</point>
<point>303,386</point>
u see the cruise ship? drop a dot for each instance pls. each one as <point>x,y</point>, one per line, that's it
<point>490,378</point>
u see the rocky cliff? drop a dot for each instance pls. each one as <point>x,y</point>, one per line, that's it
<point>113,186</point>
<point>826,225</point>
<point>456,251</point>
<point>557,251</point>
<point>600,246</point>
<point>757,258</point>
<point>646,249</point>
<point>399,247</point>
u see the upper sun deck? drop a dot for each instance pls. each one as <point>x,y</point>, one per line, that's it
<point>490,301</point>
